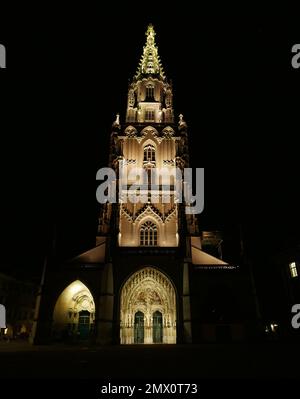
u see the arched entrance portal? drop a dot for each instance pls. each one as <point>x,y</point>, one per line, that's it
<point>74,313</point>
<point>157,327</point>
<point>148,309</point>
<point>139,328</point>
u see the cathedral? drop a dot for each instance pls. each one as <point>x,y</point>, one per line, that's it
<point>152,277</point>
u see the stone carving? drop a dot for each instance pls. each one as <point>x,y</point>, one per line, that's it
<point>148,291</point>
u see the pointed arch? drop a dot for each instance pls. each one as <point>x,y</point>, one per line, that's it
<point>149,135</point>
<point>149,132</point>
<point>150,141</point>
<point>149,211</point>
<point>149,151</point>
<point>168,132</point>
<point>148,234</point>
<point>148,291</point>
<point>75,306</point>
<point>130,131</point>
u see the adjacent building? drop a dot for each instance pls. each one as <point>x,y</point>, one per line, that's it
<point>19,298</point>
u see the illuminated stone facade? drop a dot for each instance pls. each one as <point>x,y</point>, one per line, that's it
<point>148,291</point>
<point>149,139</point>
<point>74,308</point>
<point>147,280</point>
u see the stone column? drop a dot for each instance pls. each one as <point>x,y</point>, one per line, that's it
<point>148,339</point>
<point>166,329</point>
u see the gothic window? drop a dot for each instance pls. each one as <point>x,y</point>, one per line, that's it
<point>293,270</point>
<point>131,98</point>
<point>150,93</point>
<point>149,116</point>
<point>148,234</point>
<point>149,153</point>
<point>168,99</point>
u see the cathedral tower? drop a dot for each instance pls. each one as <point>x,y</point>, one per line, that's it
<point>152,227</point>
<point>147,280</point>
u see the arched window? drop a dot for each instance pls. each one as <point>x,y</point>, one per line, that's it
<point>150,90</point>
<point>149,153</point>
<point>149,115</point>
<point>148,234</point>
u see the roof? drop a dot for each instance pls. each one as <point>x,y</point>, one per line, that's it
<point>200,257</point>
<point>93,255</point>
<point>150,63</point>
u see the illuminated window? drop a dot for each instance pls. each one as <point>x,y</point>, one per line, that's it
<point>149,116</point>
<point>148,234</point>
<point>293,269</point>
<point>150,92</point>
<point>149,153</point>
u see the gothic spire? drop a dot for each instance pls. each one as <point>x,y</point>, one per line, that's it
<point>150,63</point>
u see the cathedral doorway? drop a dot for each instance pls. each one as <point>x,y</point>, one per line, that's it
<point>74,313</point>
<point>148,309</point>
<point>139,328</point>
<point>157,327</point>
<point>84,318</point>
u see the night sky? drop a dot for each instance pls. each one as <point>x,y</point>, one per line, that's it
<point>67,78</point>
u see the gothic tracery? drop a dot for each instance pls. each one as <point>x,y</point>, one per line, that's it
<point>148,291</point>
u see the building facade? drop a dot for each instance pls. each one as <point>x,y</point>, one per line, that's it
<point>147,280</point>
<point>18,297</point>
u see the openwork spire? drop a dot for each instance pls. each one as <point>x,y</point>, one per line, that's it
<point>150,63</point>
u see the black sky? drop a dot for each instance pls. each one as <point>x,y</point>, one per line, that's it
<point>66,80</point>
